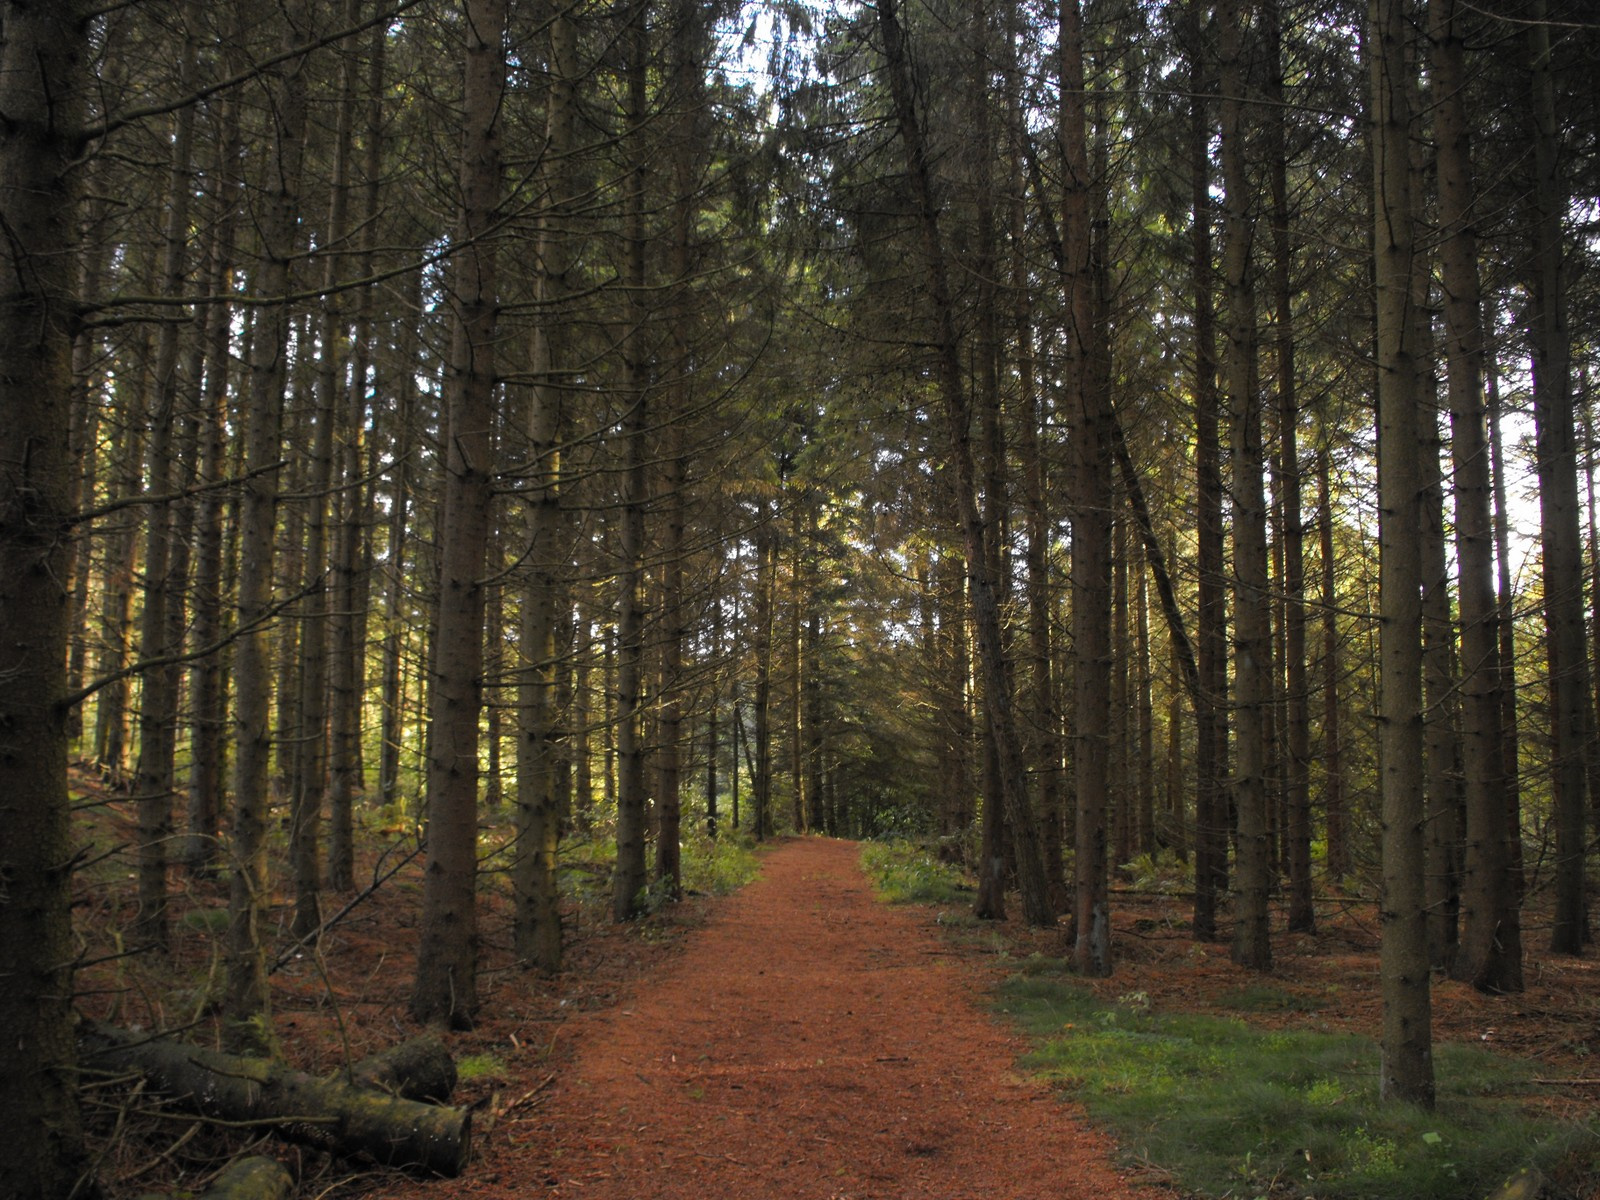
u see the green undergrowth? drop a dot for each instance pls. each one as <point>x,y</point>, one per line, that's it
<point>1233,1111</point>
<point>719,865</point>
<point>906,872</point>
<point>707,867</point>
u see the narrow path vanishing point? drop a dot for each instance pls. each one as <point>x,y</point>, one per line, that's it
<point>808,1042</point>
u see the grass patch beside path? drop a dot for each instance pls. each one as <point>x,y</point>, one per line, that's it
<point>904,872</point>
<point>1239,1112</point>
<point>1245,1113</point>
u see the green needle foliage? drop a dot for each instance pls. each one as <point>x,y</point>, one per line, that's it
<point>1236,1111</point>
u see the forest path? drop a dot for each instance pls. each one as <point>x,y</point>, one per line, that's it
<point>807,1042</point>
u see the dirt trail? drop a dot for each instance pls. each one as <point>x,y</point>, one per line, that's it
<point>808,1042</point>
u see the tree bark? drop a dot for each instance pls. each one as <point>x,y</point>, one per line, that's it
<point>536,929</point>
<point>629,880</point>
<point>1090,501</point>
<point>1407,1042</point>
<point>1489,955</point>
<point>43,77</point>
<point>353,545</point>
<point>1559,536</point>
<point>1252,944</point>
<point>446,988</point>
<point>209,679</point>
<point>163,591</point>
<point>245,1004</point>
<point>1296,740</point>
<point>1336,816</point>
<point>308,795</point>
<point>1211,724</point>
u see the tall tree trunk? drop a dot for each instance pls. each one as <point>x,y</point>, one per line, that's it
<point>1407,1042</point>
<point>1510,753</point>
<point>1119,758</point>
<point>392,697</point>
<point>629,880</point>
<point>958,416</point>
<point>1296,740</point>
<point>1557,457</point>
<point>43,82</point>
<point>132,396</point>
<point>1090,507</point>
<point>1043,721</point>
<point>208,687</point>
<point>1252,670</point>
<point>309,785</point>
<point>1211,725</point>
<point>687,53</point>
<point>1336,816</point>
<point>1144,714</point>
<point>158,707</point>
<point>713,715</point>
<point>1489,955</point>
<point>1440,686</point>
<point>245,1008</point>
<point>446,987</point>
<point>352,587</point>
<point>761,772</point>
<point>537,922</point>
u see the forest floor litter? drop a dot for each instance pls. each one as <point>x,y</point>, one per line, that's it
<point>807,1041</point>
<point>798,1038</point>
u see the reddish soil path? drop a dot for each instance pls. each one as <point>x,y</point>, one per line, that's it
<point>807,1042</point>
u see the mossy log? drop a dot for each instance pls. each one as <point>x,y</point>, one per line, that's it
<point>329,1114</point>
<point>420,1069</point>
<point>253,1178</point>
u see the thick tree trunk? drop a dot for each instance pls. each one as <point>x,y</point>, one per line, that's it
<point>1407,1041</point>
<point>446,988</point>
<point>628,882</point>
<point>1090,501</point>
<point>536,926</point>
<point>1296,738</point>
<point>1489,955</point>
<point>353,544</point>
<point>163,589</point>
<point>245,1002</point>
<point>308,793</point>
<point>1043,716</point>
<point>1252,672</point>
<point>329,1114</point>
<point>1559,536</point>
<point>209,678</point>
<point>42,80</point>
<point>1211,702</point>
<point>1440,685</point>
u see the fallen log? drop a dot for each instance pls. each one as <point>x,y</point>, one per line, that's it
<point>420,1069</point>
<point>254,1178</point>
<point>328,1114</point>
